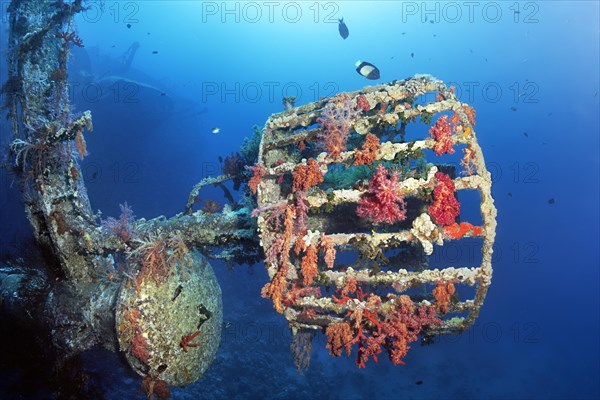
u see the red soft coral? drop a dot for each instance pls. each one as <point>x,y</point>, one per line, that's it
<point>445,207</point>
<point>363,103</point>
<point>457,231</point>
<point>373,331</point>
<point>139,347</point>
<point>403,326</point>
<point>441,132</point>
<point>382,202</point>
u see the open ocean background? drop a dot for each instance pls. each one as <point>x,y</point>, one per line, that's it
<point>529,68</point>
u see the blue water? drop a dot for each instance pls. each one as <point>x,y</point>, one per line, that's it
<point>532,76</point>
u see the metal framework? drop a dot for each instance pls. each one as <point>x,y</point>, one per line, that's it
<point>295,139</point>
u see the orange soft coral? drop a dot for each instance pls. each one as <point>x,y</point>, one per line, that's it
<point>339,337</point>
<point>470,111</point>
<point>443,293</point>
<point>299,244</point>
<point>456,230</point>
<point>155,263</point>
<point>335,142</point>
<point>368,153</point>
<point>275,289</point>
<point>328,246</point>
<point>455,119</point>
<point>306,176</point>
<point>298,291</point>
<point>80,144</point>
<point>279,252</point>
<point>309,265</point>
<point>259,171</point>
<point>350,286</point>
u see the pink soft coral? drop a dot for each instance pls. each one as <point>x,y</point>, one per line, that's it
<point>122,227</point>
<point>337,118</point>
<point>382,202</point>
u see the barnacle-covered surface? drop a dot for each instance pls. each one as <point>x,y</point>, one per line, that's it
<point>153,320</point>
<point>383,259</point>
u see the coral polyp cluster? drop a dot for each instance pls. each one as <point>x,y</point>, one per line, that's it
<point>349,212</point>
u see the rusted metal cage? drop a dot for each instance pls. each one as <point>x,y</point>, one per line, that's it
<point>351,206</point>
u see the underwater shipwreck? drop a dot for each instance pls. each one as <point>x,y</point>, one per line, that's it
<point>342,206</point>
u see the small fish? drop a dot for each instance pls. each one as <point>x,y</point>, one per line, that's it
<point>509,194</point>
<point>220,159</point>
<point>155,52</point>
<point>128,26</point>
<point>367,70</point>
<point>432,21</point>
<point>549,114</point>
<point>412,55</point>
<point>418,382</point>
<point>471,50</point>
<point>525,134</point>
<point>343,29</point>
<point>215,130</point>
<point>513,108</point>
<point>403,33</point>
<point>551,200</point>
<point>163,94</point>
<point>113,46</point>
<point>177,292</point>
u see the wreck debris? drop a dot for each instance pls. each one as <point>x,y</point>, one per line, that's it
<point>380,265</point>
